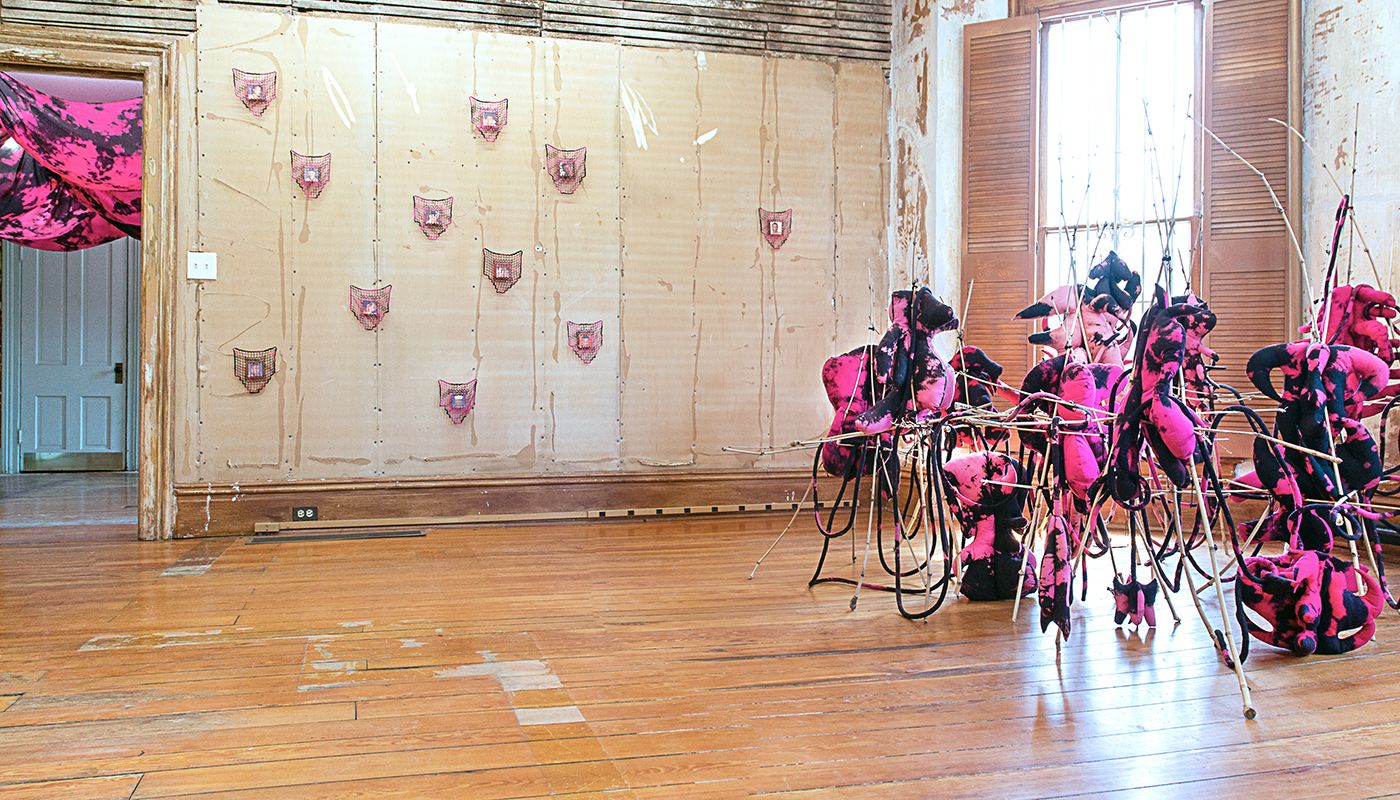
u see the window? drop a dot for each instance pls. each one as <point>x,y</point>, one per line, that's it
<point>1119,164</point>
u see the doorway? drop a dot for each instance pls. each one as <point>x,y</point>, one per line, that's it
<point>69,331</point>
<point>69,401</point>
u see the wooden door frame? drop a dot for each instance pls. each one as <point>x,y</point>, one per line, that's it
<point>153,60</point>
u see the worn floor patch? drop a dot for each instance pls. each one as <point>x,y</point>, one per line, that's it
<point>198,559</point>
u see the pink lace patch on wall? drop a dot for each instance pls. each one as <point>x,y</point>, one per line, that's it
<point>432,216</point>
<point>489,116</point>
<point>502,269</point>
<point>370,305</point>
<point>254,368</point>
<point>255,89</point>
<point>457,399</point>
<point>775,226</point>
<point>566,167</point>
<point>586,339</point>
<point>311,173</point>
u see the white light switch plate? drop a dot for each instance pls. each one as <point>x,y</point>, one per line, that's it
<point>203,266</point>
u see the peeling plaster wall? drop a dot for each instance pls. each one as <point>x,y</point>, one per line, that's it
<point>711,338</point>
<point>926,76</point>
<point>1351,58</point>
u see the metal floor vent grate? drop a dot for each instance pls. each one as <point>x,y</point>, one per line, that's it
<point>332,536</point>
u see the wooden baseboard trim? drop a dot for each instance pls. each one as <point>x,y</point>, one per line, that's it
<point>233,509</point>
<point>527,516</point>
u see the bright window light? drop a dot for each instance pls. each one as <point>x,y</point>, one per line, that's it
<point>1120,143</point>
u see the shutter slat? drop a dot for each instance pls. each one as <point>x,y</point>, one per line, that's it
<point>1000,115</point>
<point>1249,272</point>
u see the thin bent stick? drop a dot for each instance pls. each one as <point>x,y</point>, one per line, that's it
<point>1278,206</point>
<point>1230,646</point>
<point>795,513</point>
<point>1360,234</point>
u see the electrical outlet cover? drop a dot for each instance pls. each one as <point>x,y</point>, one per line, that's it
<point>203,266</point>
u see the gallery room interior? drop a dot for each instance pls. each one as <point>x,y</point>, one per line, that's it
<point>699,398</point>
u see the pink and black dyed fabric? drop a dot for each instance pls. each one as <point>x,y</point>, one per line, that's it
<point>1324,391</point>
<point>1309,602</point>
<point>911,377</point>
<point>989,499</point>
<point>1134,601</point>
<point>1151,413</point>
<point>38,210</point>
<point>74,180</point>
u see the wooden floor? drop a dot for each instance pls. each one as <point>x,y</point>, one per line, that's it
<point>623,660</point>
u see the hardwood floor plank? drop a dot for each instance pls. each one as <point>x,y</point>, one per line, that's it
<point>615,660</point>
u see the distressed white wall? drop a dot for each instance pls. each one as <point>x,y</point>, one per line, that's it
<point>1351,57</point>
<point>926,74</point>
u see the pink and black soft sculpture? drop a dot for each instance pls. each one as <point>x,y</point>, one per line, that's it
<point>850,388</point>
<point>1133,602</point>
<point>978,384</point>
<point>1057,570</point>
<point>1359,316</point>
<point>912,380</point>
<point>1309,602</point>
<point>1324,390</point>
<point>1151,412</point>
<point>988,498</point>
<point>1195,371</point>
<point>1081,438</point>
<point>1094,316</point>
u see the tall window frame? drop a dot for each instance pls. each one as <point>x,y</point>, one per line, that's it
<point>1135,236</point>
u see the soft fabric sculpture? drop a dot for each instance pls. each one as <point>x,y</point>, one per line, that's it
<point>72,175</point>
<point>1151,411</point>
<point>1309,602</point>
<point>1323,393</point>
<point>1133,601</point>
<point>849,389</point>
<point>1358,316</point>
<point>978,378</point>
<point>910,375</point>
<point>1057,571</point>
<point>1194,368</point>
<point>1081,440</point>
<point>990,509</point>
<point>1094,317</point>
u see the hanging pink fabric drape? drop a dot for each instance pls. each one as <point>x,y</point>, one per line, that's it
<point>74,180</point>
<point>37,209</point>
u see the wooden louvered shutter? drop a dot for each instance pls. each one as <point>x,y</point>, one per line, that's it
<point>1000,116</point>
<point>1251,275</point>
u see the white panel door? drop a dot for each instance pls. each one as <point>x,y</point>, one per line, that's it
<point>73,350</point>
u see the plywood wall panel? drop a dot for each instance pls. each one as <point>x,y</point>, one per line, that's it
<point>504,179</point>
<point>330,363</point>
<point>800,307</point>
<point>580,279</point>
<point>245,206</point>
<point>711,339</point>
<point>861,183</point>
<point>660,256</point>
<point>732,352</point>
<point>430,332</point>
